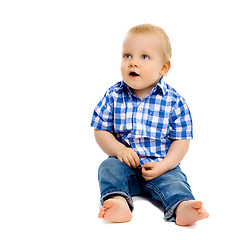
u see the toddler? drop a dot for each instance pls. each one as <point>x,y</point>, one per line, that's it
<point>145,127</point>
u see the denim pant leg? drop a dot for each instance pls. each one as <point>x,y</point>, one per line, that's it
<point>170,189</point>
<point>116,178</point>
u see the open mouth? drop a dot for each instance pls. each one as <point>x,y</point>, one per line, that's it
<point>134,74</point>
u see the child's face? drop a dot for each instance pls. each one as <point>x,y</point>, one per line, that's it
<point>142,64</point>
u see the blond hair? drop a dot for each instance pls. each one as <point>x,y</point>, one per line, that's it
<point>150,28</point>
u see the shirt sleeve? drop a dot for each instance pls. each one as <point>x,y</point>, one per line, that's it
<point>181,121</point>
<point>102,118</point>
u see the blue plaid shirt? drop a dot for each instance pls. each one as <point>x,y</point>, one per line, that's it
<point>148,126</point>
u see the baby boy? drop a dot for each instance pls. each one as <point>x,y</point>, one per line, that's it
<point>145,127</point>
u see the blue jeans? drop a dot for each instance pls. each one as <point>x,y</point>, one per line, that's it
<point>169,189</point>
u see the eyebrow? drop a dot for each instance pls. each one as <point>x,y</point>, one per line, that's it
<point>125,51</point>
<point>142,53</point>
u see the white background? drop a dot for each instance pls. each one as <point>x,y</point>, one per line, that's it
<point>57,59</point>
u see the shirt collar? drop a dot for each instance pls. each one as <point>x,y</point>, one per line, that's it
<point>161,85</point>
<point>121,86</point>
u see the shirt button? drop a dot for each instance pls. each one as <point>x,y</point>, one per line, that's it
<point>139,109</point>
<point>137,132</point>
<point>137,146</point>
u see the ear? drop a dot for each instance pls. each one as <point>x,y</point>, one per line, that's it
<point>165,68</point>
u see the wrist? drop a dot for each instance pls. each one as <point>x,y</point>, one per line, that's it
<point>119,151</point>
<point>164,166</point>
<point>167,164</point>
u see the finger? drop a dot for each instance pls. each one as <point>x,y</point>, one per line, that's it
<point>131,161</point>
<point>136,158</point>
<point>125,160</point>
<point>144,174</point>
<point>148,165</point>
<point>147,175</point>
<point>148,178</point>
<point>146,171</point>
<point>120,159</point>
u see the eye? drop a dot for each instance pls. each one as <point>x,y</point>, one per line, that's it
<point>145,57</point>
<point>127,55</point>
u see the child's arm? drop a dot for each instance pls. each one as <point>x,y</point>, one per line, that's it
<point>112,147</point>
<point>175,154</point>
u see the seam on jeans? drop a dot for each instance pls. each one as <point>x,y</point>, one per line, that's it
<point>169,214</point>
<point>118,192</point>
<point>112,191</point>
<point>127,182</point>
<point>159,193</point>
<point>170,211</point>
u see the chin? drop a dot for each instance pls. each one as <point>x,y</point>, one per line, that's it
<point>132,84</point>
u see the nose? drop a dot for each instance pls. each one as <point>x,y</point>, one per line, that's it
<point>133,63</point>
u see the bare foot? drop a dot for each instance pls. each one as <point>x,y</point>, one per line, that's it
<point>189,212</point>
<point>115,209</point>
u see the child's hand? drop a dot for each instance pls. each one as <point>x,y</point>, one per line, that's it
<point>152,170</point>
<point>128,156</point>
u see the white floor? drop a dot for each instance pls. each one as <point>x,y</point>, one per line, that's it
<point>59,199</point>
<point>148,223</point>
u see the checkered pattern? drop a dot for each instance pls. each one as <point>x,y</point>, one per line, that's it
<point>148,126</point>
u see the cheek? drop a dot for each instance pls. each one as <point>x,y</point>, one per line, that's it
<point>155,71</point>
<point>149,73</point>
<point>123,67</point>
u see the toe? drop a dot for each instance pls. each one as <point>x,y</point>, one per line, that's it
<point>101,213</point>
<point>200,211</point>
<point>108,204</point>
<point>197,204</point>
<point>205,214</point>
